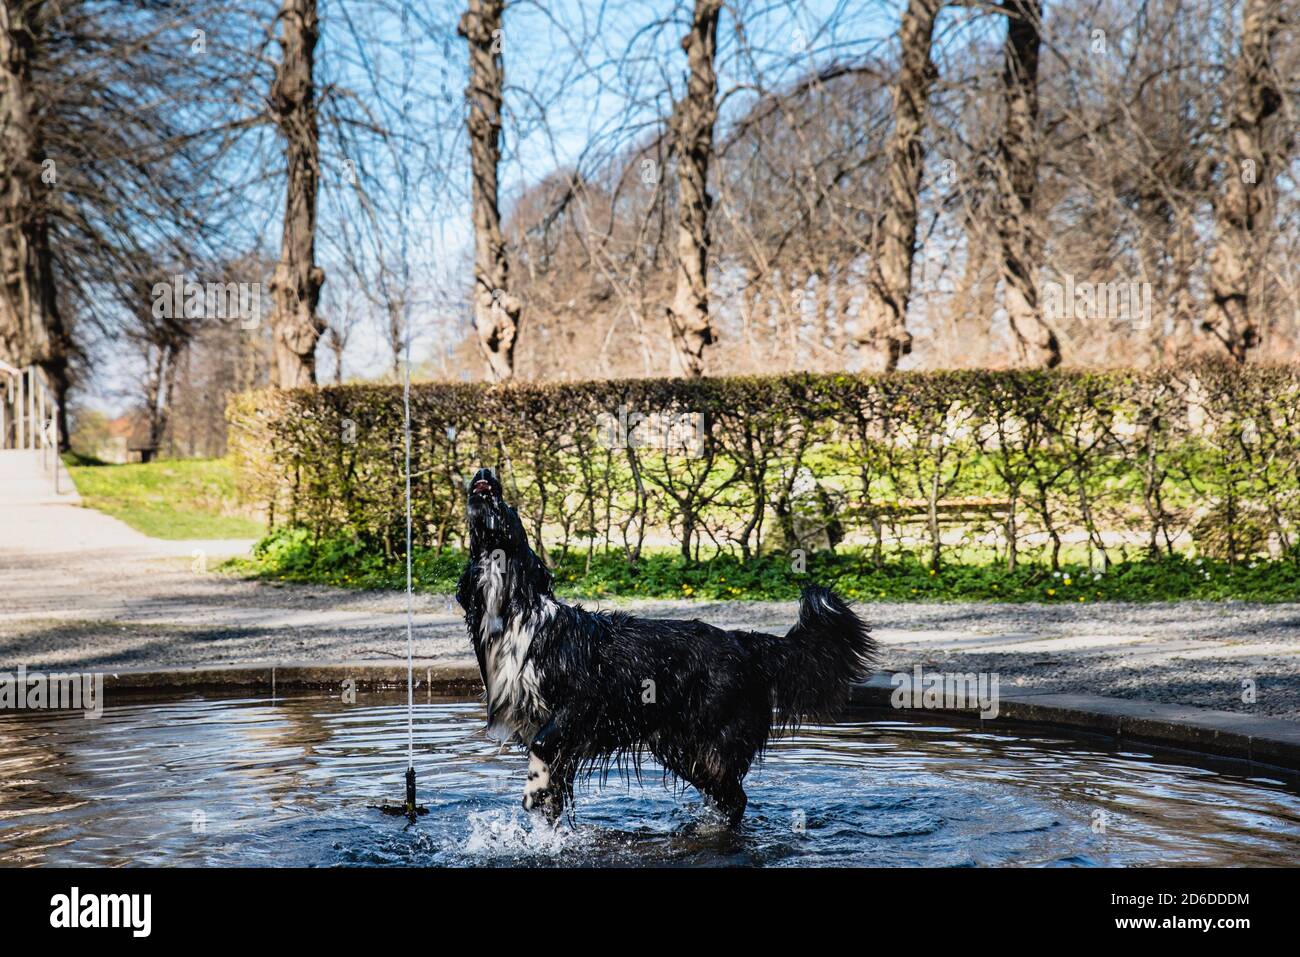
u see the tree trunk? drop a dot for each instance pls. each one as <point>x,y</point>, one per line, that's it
<point>496,311</point>
<point>298,280</point>
<point>159,391</point>
<point>883,335</point>
<point>338,344</point>
<point>974,301</point>
<point>32,330</point>
<point>1240,209</point>
<point>691,127</point>
<point>1036,344</point>
<point>1181,343</point>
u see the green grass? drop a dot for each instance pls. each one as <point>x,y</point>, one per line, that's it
<point>291,556</point>
<point>174,498</point>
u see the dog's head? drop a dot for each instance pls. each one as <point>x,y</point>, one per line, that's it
<point>492,522</point>
<point>495,530</point>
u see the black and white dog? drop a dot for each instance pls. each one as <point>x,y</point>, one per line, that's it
<point>586,689</point>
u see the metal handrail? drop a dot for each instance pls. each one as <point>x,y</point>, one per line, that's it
<point>29,403</point>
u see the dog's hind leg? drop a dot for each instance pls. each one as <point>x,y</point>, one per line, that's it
<point>731,800</point>
<point>718,768</point>
<point>725,791</point>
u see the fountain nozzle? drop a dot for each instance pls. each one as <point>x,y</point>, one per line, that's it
<point>411,809</point>
<point>408,808</point>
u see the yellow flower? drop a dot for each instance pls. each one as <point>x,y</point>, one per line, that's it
<point>1067,580</point>
<point>931,571</point>
<point>1051,591</point>
<point>1081,598</point>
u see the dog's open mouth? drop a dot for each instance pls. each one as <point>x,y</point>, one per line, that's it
<point>484,500</point>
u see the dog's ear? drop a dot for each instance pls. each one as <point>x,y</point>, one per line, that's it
<point>536,573</point>
<point>540,575</point>
<point>465,587</point>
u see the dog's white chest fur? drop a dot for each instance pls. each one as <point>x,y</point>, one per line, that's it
<point>514,698</point>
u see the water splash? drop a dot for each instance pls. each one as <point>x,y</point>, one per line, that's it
<point>511,834</point>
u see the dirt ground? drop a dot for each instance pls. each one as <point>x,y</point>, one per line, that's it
<point>81,589</point>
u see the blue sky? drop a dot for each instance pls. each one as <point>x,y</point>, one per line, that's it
<point>585,79</point>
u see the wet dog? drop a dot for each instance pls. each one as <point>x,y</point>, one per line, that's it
<point>584,690</point>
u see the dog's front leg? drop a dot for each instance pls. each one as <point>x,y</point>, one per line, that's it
<point>539,794</point>
<point>545,787</point>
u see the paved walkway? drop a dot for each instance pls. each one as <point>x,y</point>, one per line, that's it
<point>83,589</point>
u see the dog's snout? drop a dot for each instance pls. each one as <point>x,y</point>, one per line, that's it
<point>483,483</point>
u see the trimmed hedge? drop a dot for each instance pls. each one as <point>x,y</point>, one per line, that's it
<point>937,464</point>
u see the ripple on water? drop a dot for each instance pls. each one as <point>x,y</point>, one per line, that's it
<point>251,782</point>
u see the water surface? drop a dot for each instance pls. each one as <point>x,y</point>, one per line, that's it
<point>254,782</point>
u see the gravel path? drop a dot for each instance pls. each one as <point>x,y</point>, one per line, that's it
<point>81,589</point>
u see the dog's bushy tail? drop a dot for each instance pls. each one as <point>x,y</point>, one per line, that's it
<point>819,659</point>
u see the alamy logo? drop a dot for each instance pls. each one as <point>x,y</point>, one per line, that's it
<point>103,910</point>
<point>938,690</point>
<point>36,691</point>
<point>677,433</point>
<point>1117,301</point>
<point>188,299</point>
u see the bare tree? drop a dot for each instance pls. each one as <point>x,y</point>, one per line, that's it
<point>31,326</point>
<point>107,151</point>
<point>1240,209</point>
<point>341,327</point>
<point>1017,167</point>
<point>496,310</point>
<point>882,330</point>
<point>162,351</point>
<point>298,280</point>
<point>1094,170</point>
<point>192,366</point>
<point>691,127</point>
